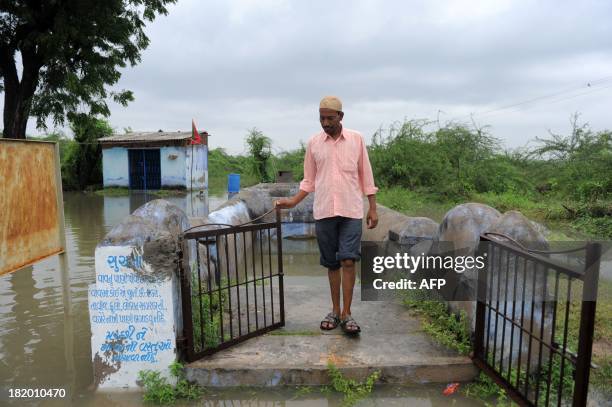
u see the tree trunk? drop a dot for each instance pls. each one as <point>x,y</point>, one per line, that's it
<point>16,112</point>
<point>18,94</point>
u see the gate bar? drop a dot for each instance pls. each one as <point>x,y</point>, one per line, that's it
<point>185,276</point>
<point>587,324</point>
<point>279,256</point>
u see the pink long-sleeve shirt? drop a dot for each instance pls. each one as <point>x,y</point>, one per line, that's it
<point>340,173</point>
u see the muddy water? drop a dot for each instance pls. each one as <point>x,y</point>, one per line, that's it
<point>44,322</point>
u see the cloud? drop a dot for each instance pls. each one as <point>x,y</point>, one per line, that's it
<point>239,64</point>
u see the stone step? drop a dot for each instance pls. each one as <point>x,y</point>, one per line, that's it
<point>391,341</point>
<point>274,360</point>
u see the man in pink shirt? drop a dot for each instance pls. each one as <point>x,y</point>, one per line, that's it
<point>337,167</point>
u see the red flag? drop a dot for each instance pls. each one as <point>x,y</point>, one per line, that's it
<point>195,135</point>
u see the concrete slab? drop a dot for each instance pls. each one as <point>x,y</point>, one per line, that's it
<point>391,341</point>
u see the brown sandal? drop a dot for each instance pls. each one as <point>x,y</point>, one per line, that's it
<point>350,326</point>
<point>330,322</point>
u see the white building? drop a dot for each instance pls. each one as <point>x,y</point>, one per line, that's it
<point>143,161</point>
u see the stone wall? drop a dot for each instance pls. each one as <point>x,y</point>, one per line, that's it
<point>134,305</point>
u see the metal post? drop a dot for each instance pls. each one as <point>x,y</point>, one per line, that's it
<point>480,307</point>
<point>144,170</point>
<point>587,324</point>
<point>186,341</point>
<point>279,249</point>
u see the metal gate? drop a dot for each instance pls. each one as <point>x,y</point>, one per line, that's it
<point>144,168</point>
<point>231,285</point>
<point>534,322</point>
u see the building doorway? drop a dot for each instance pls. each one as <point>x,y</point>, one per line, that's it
<point>145,168</point>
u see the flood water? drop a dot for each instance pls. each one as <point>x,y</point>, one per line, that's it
<point>45,331</point>
<point>44,320</point>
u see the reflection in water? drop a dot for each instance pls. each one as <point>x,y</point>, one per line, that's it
<point>420,396</point>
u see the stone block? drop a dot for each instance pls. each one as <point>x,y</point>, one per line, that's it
<point>134,305</point>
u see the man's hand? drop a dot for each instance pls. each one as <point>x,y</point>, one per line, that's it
<point>288,203</point>
<point>285,203</point>
<point>372,218</point>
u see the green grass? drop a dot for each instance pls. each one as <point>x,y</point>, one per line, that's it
<point>157,390</point>
<point>211,323</point>
<point>119,191</point>
<point>352,390</point>
<point>485,389</point>
<point>168,192</point>
<point>594,226</point>
<point>566,225</point>
<point>113,192</point>
<point>446,328</point>
<point>206,310</point>
<point>414,203</point>
<point>572,216</point>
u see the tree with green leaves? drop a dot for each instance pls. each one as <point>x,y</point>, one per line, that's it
<point>580,163</point>
<point>71,52</point>
<point>260,148</point>
<point>464,148</point>
<point>82,167</point>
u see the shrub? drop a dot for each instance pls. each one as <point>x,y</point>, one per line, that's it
<point>260,150</point>
<point>83,164</point>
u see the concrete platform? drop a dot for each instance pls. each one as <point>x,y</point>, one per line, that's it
<point>391,341</point>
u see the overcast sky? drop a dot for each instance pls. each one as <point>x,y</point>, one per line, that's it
<point>234,65</point>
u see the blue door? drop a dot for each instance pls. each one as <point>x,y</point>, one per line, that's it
<point>145,168</point>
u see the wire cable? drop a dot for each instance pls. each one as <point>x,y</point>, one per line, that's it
<point>589,84</point>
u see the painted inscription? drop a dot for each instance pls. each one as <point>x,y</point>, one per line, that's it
<point>125,297</point>
<point>132,345</point>
<point>131,316</point>
<point>116,262</point>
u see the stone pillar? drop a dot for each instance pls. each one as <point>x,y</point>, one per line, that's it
<point>196,167</point>
<point>134,305</point>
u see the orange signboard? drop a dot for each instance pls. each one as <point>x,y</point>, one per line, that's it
<point>31,203</point>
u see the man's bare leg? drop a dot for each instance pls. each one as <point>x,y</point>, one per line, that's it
<point>335,279</point>
<point>348,283</point>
